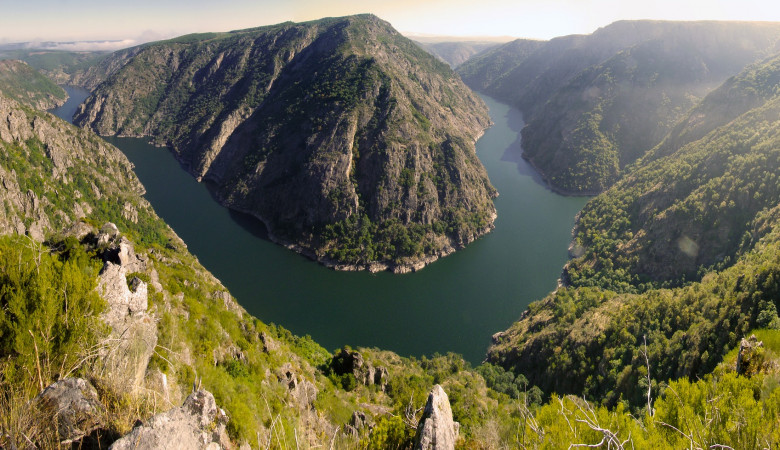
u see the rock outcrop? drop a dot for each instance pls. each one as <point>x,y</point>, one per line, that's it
<point>353,145</point>
<point>52,173</point>
<point>750,358</point>
<point>352,362</point>
<point>133,330</point>
<point>73,406</point>
<point>197,424</point>
<point>437,430</point>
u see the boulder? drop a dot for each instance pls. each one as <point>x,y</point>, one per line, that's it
<point>436,430</point>
<point>73,406</point>
<point>197,424</point>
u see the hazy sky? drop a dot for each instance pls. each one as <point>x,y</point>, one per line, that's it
<point>134,20</point>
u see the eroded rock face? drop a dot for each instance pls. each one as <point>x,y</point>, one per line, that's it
<point>436,430</point>
<point>365,373</point>
<point>394,151</point>
<point>197,424</point>
<point>73,405</point>
<point>134,331</point>
<point>302,391</point>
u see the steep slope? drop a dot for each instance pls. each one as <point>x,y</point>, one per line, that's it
<point>24,84</point>
<point>457,52</point>
<point>274,387</point>
<point>709,211</point>
<point>594,104</point>
<point>673,215</point>
<point>351,143</point>
<point>78,68</point>
<point>51,174</point>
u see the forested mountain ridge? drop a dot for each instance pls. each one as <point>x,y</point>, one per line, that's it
<point>683,251</point>
<point>24,84</point>
<point>594,104</point>
<point>351,143</point>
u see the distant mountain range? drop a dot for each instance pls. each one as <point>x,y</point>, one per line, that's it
<point>595,103</point>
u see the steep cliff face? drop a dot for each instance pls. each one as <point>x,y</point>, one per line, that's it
<point>594,104</point>
<point>454,53</point>
<point>52,174</point>
<point>352,144</point>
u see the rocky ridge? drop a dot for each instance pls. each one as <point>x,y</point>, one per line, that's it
<point>371,166</point>
<point>52,174</point>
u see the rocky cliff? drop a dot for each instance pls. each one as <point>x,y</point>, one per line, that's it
<point>52,174</point>
<point>351,143</point>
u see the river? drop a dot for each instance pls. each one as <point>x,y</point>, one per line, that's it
<point>452,305</point>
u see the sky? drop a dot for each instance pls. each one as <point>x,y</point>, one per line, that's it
<point>136,21</point>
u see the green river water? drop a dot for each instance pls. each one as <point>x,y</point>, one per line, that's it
<point>452,305</point>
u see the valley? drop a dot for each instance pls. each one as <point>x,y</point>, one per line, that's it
<point>433,310</point>
<point>144,268</point>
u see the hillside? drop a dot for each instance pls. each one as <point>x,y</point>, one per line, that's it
<point>78,68</point>
<point>351,143</point>
<point>457,52</point>
<point>24,84</point>
<point>594,104</point>
<point>130,315</point>
<point>684,251</point>
<point>175,325</point>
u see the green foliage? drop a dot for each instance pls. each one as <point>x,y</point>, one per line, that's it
<point>390,433</point>
<point>688,330</point>
<point>48,309</point>
<point>718,411</point>
<point>25,85</point>
<point>505,382</point>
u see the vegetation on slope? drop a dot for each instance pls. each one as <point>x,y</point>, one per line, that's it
<point>63,67</point>
<point>25,85</point>
<point>676,263</point>
<point>350,142</point>
<point>595,104</point>
<point>675,217</point>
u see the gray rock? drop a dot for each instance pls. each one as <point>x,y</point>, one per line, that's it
<point>134,332</point>
<point>301,391</point>
<point>436,430</point>
<point>73,405</point>
<point>197,424</point>
<point>269,344</point>
<point>365,373</point>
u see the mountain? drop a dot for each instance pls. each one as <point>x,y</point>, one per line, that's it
<point>457,52</point>
<point>24,84</point>
<point>351,143</point>
<point>594,104</point>
<point>683,252</point>
<point>106,329</point>
<point>62,67</point>
<point>98,290</point>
